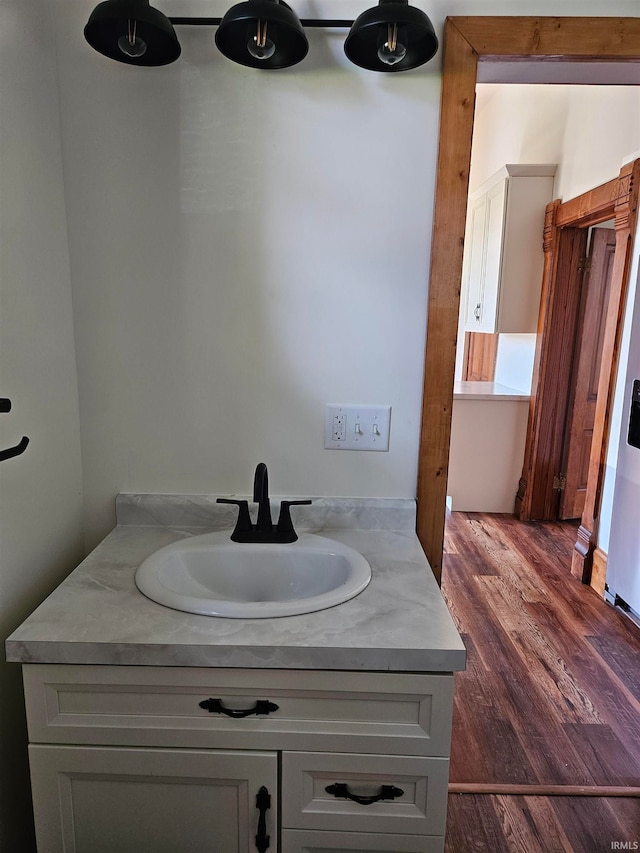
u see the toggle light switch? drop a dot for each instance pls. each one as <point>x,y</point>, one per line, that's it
<point>352,427</point>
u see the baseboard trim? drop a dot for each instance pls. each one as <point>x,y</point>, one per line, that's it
<point>599,571</point>
<point>544,790</point>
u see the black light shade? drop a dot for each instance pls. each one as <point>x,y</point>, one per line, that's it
<point>392,36</point>
<point>132,31</point>
<point>262,34</point>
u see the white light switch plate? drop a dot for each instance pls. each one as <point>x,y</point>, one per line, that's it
<point>350,427</point>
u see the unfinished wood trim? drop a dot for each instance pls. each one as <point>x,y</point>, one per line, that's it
<point>447,241</point>
<point>467,41</point>
<point>544,790</point>
<point>551,38</point>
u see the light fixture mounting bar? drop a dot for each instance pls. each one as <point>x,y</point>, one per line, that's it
<point>306,22</point>
<point>195,22</point>
<point>330,24</point>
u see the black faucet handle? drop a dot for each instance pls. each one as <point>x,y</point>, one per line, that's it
<point>243,524</point>
<point>284,528</point>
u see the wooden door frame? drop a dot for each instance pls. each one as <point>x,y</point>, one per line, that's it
<point>565,237</point>
<point>468,41</point>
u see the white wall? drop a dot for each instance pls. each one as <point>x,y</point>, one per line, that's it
<point>618,425</point>
<point>603,127</point>
<point>520,123</point>
<point>40,491</point>
<point>623,564</point>
<point>514,361</point>
<point>245,248</point>
<point>517,124</point>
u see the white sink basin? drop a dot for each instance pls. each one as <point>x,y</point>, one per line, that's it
<point>213,576</point>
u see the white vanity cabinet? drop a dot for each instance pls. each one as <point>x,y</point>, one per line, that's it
<point>127,759</point>
<point>503,257</point>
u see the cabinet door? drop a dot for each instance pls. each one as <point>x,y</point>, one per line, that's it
<point>484,249</point>
<point>109,800</point>
<point>496,204</point>
<point>474,262</point>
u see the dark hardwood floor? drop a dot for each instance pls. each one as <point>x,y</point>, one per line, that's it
<point>550,697</point>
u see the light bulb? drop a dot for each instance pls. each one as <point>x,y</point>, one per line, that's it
<point>259,45</point>
<point>391,51</point>
<point>130,44</point>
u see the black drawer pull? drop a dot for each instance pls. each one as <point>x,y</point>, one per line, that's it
<point>19,448</point>
<point>263,804</point>
<point>387,792</point>
<point>215,706</point>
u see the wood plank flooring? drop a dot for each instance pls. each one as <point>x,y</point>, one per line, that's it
<point>551,694</point>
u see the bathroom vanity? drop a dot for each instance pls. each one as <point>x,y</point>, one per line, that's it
<point>154,729</point>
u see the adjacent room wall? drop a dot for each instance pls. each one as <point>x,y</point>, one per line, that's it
<point>557,124</point>
<point>40,491</point>
<point>519,123</point>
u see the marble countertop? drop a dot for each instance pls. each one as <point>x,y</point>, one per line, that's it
<point>97,615</point>
<point>487,391</point>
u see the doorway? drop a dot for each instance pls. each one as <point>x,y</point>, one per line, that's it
<point>565,239</point>
<point>470,43</point>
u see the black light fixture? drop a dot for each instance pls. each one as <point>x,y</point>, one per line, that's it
<point>132,31</point>
<point>262,34</point>
<point>392,36</point>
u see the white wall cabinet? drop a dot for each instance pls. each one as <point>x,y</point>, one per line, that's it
<point>126,759</point>
<point>503,258</point>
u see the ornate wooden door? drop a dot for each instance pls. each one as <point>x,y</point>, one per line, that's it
<point>586,371</point>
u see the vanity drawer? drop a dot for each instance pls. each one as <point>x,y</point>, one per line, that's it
<point>395,713</point>
<point>416,801</point>
<point>306,841</point>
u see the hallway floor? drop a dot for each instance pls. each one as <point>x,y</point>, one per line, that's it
<point>551,694</point>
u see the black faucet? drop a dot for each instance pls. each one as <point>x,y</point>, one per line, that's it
<point>263,530</point>
<point>261,497</point>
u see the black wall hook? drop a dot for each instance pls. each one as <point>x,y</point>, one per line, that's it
<point>10,452</point>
